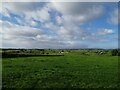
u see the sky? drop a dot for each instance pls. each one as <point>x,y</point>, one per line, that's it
<point>59,25</point>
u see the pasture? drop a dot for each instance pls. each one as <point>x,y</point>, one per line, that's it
<point>74,69</point>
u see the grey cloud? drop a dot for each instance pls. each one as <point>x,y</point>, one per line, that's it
<point>66,33</point>
<point>10,29</point>
<point>113,19</point>
<point>79,11</point>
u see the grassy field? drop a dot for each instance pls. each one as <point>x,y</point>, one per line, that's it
<point>72,70</point>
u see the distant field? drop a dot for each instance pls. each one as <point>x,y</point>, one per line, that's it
<point>69,71</point>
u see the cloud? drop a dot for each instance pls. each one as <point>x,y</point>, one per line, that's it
<point>79,12</point>
<point>71,12</point>
<point>11,30</point>
<point>16,36</point>
<point>114,17</point>
<point>33,23</point>
<point>4,11</point>
<point>51,25</point>
<point>105,32</point>
<point>59,20</point>
<point>29,10</point>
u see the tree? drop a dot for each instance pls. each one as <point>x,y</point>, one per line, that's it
<point>114,52</point>
<point>118,52</point>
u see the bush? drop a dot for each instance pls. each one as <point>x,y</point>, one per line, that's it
<point>118,52</point>
<point>114,52</point>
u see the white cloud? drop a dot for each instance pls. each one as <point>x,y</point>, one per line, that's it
<point>44,14</point>
<point>33,23</point>
<point>59,20</point>
<point>61,31</point>
<point>39,14</point>
<point>105,32</point>
<point>71,12</point>
<point>4,11</point>
<point>30,10</point>
<point>16,36</point>
<point>13,30</point>
<point>114,17</point>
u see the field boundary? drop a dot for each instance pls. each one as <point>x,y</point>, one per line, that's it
<point>9,55</point>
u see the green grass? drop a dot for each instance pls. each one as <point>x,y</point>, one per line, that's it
<point>69,71</point>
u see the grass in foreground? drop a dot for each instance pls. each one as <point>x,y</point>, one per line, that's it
<point>69,71</point>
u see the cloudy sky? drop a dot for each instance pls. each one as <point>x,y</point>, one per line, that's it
<point>59,25</point>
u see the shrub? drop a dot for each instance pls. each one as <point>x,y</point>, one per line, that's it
<point>114,52</point>
<point>118,52</point>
